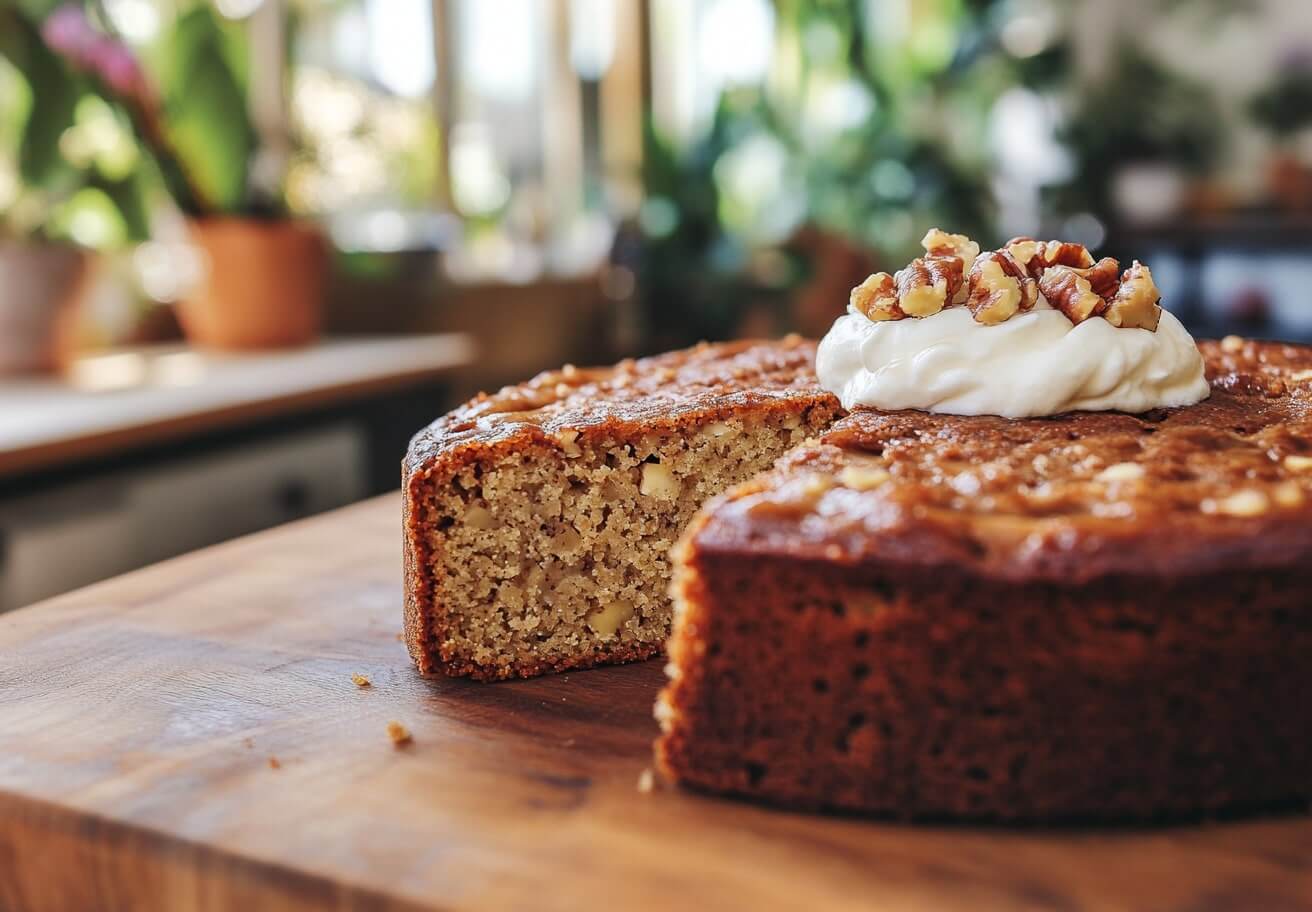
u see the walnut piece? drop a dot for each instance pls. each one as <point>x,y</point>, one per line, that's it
<point>876,298</point>
<point>1104,277</point>
<point>999,288</point>
<point>658,482</point>
<point>923,288</point>
<point>928,284</point>
<point>1036,257</point>
<point>1069,290</point>
<point>1025,251</point>
<point>939,243</point>
<point>996,285</point>
<point>1135,303</point>
<point>1065,253</point>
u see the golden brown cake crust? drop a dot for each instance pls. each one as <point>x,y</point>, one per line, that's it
<point>666,392</point>
<point>1067,499</point>
<point>913,618</point>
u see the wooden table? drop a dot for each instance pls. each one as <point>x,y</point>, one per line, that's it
<point>189,736</point>
<point>131,398</point>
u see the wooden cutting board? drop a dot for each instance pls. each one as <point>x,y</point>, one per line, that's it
<point>189,737</point>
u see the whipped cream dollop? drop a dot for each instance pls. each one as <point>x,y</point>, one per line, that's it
<point>1036,363</point>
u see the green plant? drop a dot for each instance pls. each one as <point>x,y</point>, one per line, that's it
<point>1143,112</point>
<point>1285,106</point>
<point>202,67</point>
<point>68,167</point>
<point>866,128</point>
<point>195,125</point>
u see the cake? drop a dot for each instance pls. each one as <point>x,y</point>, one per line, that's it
<point>1090,615</point>
<point>538,520</point>
<point>1006,545</point>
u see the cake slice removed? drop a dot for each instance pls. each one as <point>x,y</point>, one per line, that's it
<point>1082,616</point>
<point>539,519</point>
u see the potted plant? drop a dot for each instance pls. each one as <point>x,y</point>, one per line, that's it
<point>41,271</point>
<point>1140,137</point>
<point>265,270</point>
<point>1284,108</point>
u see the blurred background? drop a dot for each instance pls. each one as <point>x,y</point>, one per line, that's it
<point>247,247</point>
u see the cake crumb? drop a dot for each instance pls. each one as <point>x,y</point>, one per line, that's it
<point>275,763</point>
<point>399,734</point>
<point>360,680</point>
<point>646,781</point>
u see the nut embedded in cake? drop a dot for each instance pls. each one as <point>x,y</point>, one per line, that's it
<point>539,520</point>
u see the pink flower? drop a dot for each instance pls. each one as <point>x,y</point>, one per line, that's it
<point>117,67</point>
<point>68,32</point>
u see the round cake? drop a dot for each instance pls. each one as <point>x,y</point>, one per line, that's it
<point>1093,615</point>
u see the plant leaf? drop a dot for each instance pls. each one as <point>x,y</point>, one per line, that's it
<point>208,120</point>
<point>55,91</point>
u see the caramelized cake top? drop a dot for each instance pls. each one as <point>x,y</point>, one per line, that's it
<point>663,388</point>
<point>1223,484</point>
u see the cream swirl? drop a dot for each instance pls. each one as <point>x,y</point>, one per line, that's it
<point>1036,363</point>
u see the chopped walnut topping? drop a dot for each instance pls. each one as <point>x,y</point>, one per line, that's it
<point>999,288</point>
<point>1104,277</point>
<point>1036,257</point>
<point>1064,253</point>
<point>1025,251</point>
<point>928,284</point>
<point>1232,344</point>
<point>876,298</point>
<point>941,244</point>
<point>923,288</point>
<point>1135,303</point>
<point>997,285</point>
<point>1069,290</point>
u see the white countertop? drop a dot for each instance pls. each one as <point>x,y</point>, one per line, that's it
<point>133,397</point>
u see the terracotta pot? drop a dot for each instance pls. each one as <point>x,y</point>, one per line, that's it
<point>39,288</point>
<point>264,285</point>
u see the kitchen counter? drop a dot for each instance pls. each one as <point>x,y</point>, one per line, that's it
<point>127,399</point>
<point>189,736</point>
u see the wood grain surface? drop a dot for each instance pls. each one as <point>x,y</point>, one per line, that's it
<point>189,737</point>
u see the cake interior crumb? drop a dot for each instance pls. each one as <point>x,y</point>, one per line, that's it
<point>552,554</point>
